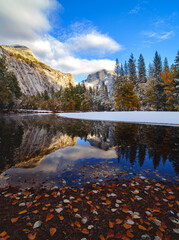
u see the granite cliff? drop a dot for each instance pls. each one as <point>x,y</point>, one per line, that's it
<point>34,76</point>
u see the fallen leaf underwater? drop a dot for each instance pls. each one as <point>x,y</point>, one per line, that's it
<point>128,209</point>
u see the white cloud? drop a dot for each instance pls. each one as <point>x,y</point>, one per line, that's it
<point>94,41</point>
<point>26,22</point>
<point>160,36</point>
<point>135,10</point>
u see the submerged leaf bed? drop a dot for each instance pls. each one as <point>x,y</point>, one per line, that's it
<point>129,209</point>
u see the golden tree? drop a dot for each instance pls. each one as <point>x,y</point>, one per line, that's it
<point>125,97</point>
<point>167,78</point>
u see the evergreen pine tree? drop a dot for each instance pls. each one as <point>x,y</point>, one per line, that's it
<point>177,64</point>
<point>9,87</point>
<point>122,73</point>
<point>141,69</point>
<point>116,77</point>
<point>177,61</point>
<point>158,88</point>
<point>132,69</point>
<point>126,70</point>
<point>157,67</point>
<point>151,71</point>
<point>165,63</point>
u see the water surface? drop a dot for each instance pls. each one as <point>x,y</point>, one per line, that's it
<point>46,150</point>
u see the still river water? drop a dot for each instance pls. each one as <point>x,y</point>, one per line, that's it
<point>46,150</point>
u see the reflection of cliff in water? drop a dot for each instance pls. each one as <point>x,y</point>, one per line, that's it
<point>25,140</point>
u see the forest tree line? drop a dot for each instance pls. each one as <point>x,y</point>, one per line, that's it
<point>157,90</point>
<point>134,88</point>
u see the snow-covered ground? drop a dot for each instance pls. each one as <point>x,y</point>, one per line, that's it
<point>159,118</point>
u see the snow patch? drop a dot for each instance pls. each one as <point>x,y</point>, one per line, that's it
<point>156,118</point>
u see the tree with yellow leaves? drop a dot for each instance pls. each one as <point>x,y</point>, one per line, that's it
<point>168,83</point>
<point>125,97</point>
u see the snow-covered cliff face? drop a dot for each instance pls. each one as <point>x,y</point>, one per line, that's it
<point>33,76</point>
<point>96,79</point>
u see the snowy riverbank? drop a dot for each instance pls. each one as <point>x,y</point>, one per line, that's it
<point>161,118</point>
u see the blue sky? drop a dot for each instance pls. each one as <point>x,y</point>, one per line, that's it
<point>85,36</point>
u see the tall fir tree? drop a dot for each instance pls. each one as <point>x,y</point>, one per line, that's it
<point>122,78</point>
<point>141,69</point>
<point>9,87</point>
<point>157,67</point>
<point>151,71</point>
<point>165,63</point>
<point>116,77</point>
<point>177,61</point>
<point>132,69</point>
<point>157,86</point>
<point>177,64</point>
<point>126,71</point>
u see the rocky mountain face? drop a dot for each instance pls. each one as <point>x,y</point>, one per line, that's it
<point>34,76</point>
<point>96,79</point>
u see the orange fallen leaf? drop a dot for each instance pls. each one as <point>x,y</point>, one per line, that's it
<point>170,205</point>
<point>75,209</point>
<point>129,234</point>
<point>37,204</point>
<point>161,229</point>
<point>110,234</point>
<point>29,204</point>
<point>118,235</point>
<point>85,231</point>
<point>127,226</point>
<point>111,224</point>
<point>61,217</point>
<point>35,211</point>
<point>103,198</point>
<point>32,236</point>
<point>108,202</point>
<point>125,238</point>
<point>13,220</point>
<point>125,209</point>
<point>141,227</point>
<point>23,212</point>
<point>171,197</point>
<point>118,221</point>
<point>14,202</point>
<point>37,197</point>
<point>25,230</point>
<point>49,217</point>
<point>26,193</point>
<point>101,237</point>
<point>52,231</point>
<point>77,224</point>
<point>3,234</point>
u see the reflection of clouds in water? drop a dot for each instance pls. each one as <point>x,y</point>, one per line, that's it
<point>56,162</point>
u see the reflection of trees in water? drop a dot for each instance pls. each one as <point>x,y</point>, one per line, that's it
<point>10,139</point>
<point>160,142</point>
<point>134,142</point>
